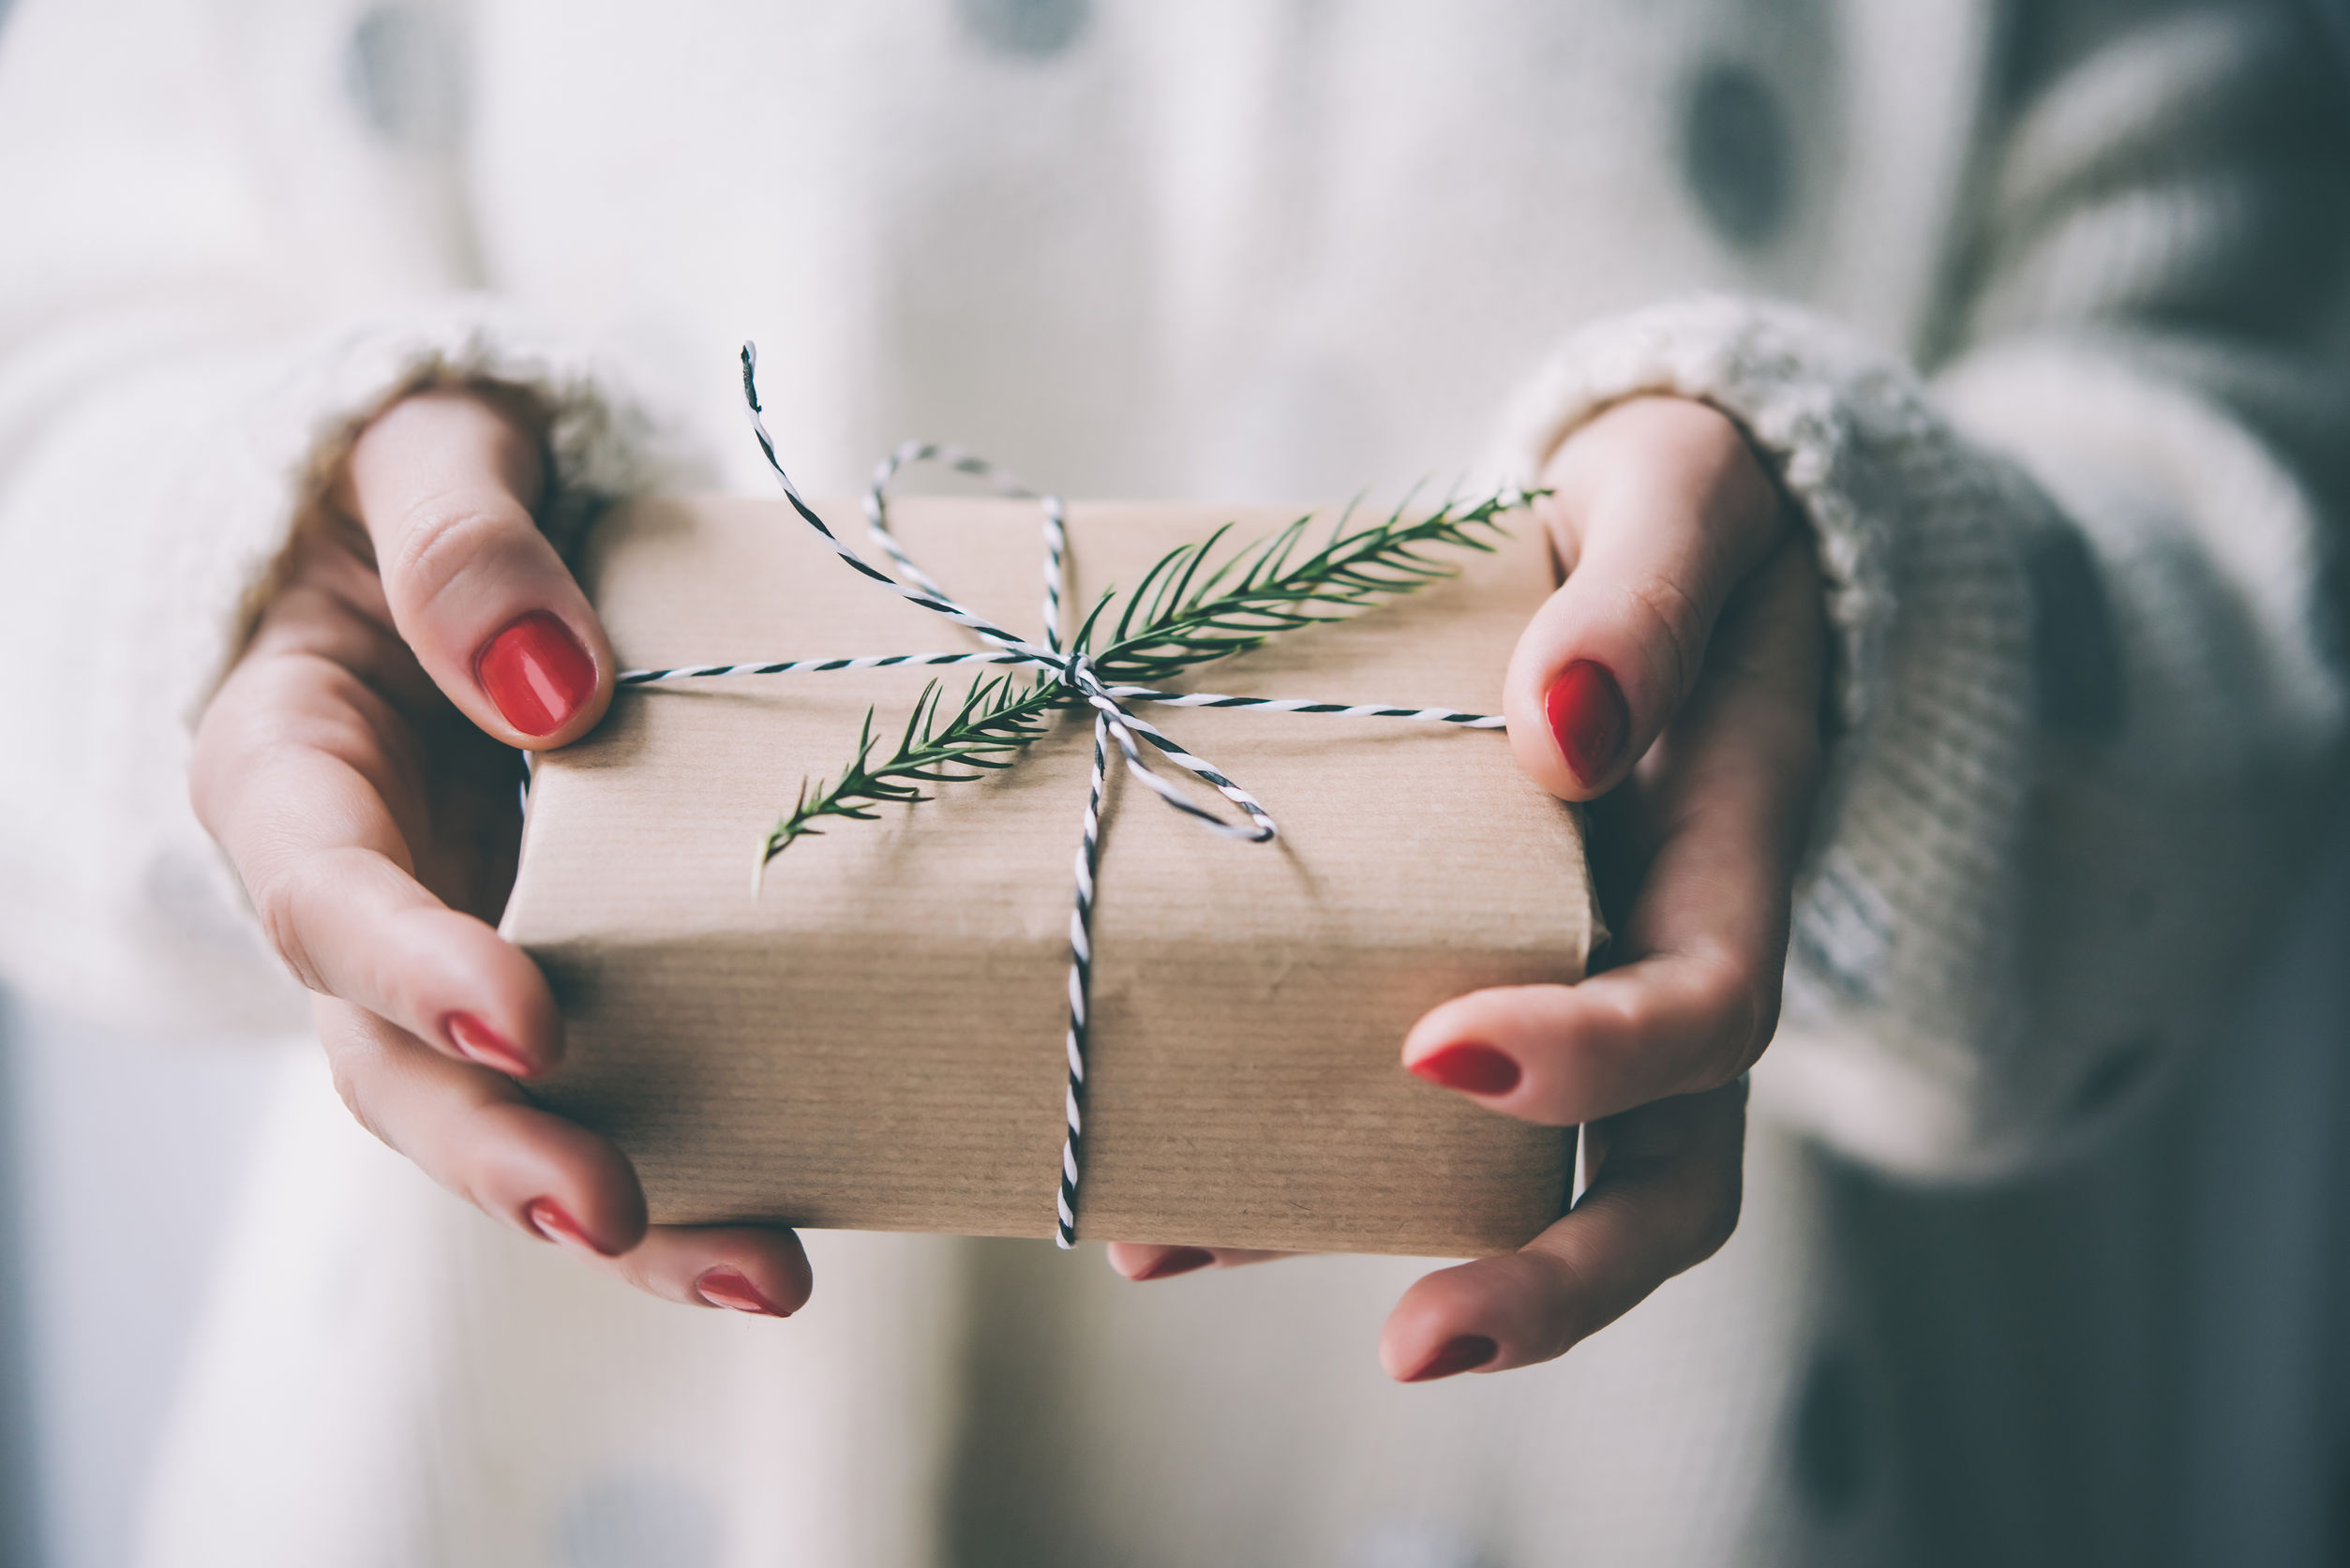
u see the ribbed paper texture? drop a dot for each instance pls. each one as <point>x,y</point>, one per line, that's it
<point>875,1040</point>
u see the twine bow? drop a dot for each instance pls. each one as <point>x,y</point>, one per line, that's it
<point>1070,668</point>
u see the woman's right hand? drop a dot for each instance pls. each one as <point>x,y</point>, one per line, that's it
<point>358,768</point>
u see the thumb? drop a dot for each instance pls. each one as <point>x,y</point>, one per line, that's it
<point>1661,512</point>
<point>444,482</point>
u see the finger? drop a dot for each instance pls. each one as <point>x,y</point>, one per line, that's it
<point>1658,511</point>
<point>1141,1261</point>
<point>739,1268</point>
<point>297,770</point>
<point>472,1130</point>
<point>1665,1199</point>
<point>443,484</point>
<point>1730,796</point>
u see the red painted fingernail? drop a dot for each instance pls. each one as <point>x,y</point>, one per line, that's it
<point>1183,1260</point>
<point>548,1220</point>
<point>1466,1065</point>
<point>731,1287</point>
<point>536,672</point>
<point>1588,718</point>
<point>1464,1354</point>
<point>478,1040</point>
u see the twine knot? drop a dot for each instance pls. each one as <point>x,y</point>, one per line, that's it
<point>1114,721</point>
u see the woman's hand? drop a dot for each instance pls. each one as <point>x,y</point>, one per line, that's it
<point>1678,673</point>
<point>358,768</point>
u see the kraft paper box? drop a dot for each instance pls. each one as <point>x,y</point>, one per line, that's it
<point>875,1040</point>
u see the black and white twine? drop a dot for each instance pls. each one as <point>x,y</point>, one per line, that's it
<point>1112,721</point>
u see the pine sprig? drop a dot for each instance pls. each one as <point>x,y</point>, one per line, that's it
<point>997,717</point>
<point>1186,610</point>
<point>1176,617</point>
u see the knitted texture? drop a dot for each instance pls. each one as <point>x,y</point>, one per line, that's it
<point>293,435</point>
<point>1907,908</point>
<point>234,447</point>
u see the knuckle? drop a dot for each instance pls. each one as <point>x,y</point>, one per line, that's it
<point>1719,1221</point>
<point>1637,1014</point>
<point>330,710</point>
<point>1739,995</point>
<point>1632,1021</point>
<point>635,1268</point>
<point>344,1070</point>
<point>301,702</point>
<point>467,1190</point>
<point>212,770</point>
<point>1727,1196</point>
<point>279,900</point>
<point>350,723</point>
<point>1675,622</point>
<point>438,538</point>
<point>1558,1283</point>
<point>347,1085</point>
<point>1641,1015</point>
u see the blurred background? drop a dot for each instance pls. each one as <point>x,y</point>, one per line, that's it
<point>103,1265</point>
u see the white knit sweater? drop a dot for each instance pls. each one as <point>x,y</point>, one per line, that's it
<point>2088,698</point>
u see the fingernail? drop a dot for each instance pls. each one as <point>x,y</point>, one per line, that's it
<point>1588,718</point>
<point>1467,1065</point>
<point>479,1042</point>
<point>548,1220</point>
<point>1183,1260</point>
<point>1464,1354</point>
<point>731,1287</point>
<point>536,672</point>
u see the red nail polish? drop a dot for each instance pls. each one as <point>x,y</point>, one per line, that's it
<point>731,1287</point>
<point>1464,1354</point>
<point>1467,1065</point>
<point>1588,718</point>
<point>1183,1260</point>
<point>479,1042</point>
<point>548,1220</point>
<point>536,672</point>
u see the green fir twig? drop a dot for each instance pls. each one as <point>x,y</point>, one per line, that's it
<point>1188,610</point>
<point>996,718</point>
<point>1177,618</point>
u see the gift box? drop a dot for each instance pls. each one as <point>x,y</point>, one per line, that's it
<point>873,1037</point>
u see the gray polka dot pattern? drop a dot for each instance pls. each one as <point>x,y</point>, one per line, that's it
<point>1033,29</point>
<point>2110,1080</point>
<point>639,1520</point>
<point>404,73</point>
<point>1736,154</point>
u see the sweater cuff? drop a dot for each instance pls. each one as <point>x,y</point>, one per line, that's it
<point>1903,1015</point>
<point>276,450</point>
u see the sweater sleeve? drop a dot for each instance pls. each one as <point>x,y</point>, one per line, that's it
<point>204,291</point>
<point>2089,695</point>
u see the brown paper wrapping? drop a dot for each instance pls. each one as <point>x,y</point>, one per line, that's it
<point>874,1041</point>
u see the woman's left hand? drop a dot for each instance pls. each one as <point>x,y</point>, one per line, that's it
<point>1677,672</point>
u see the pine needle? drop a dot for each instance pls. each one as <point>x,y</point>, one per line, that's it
<point>996,718</point>
<point>1188,609</point>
